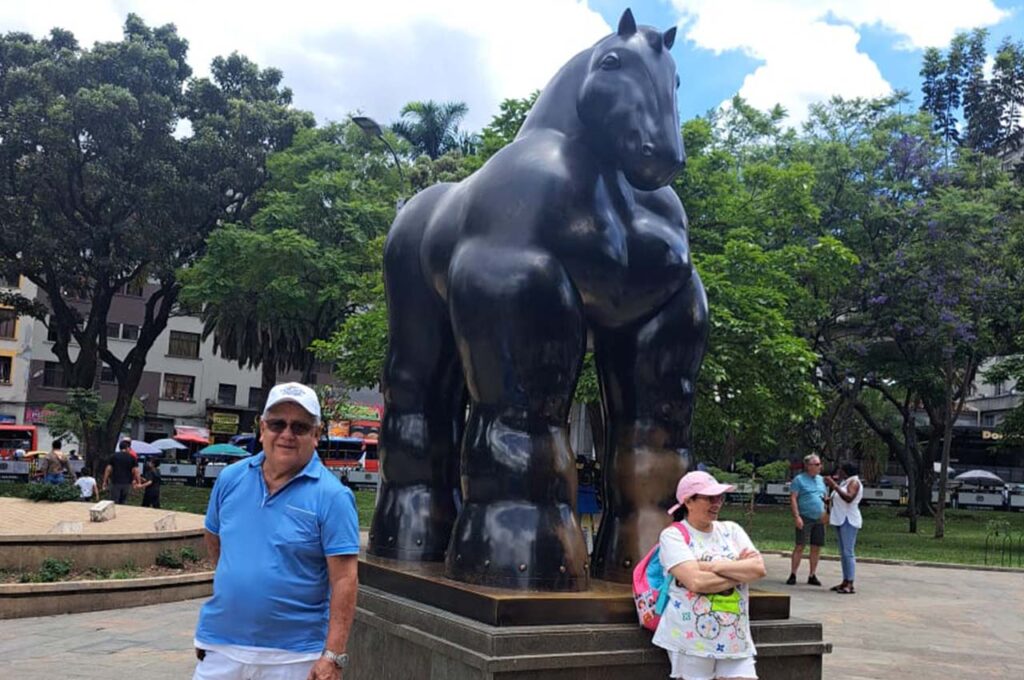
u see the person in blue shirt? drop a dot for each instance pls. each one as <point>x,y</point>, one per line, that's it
<point>807,501</point>
<point>284,535</point>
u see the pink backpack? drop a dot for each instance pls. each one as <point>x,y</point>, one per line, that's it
<point>650,587</point>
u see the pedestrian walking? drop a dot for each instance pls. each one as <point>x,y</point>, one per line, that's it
<point>150,485</point>
<point>88,489</point>
<point>55,464</point>
<point>121,474</point>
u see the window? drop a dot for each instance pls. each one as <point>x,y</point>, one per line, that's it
<point>988,419</point>
<point>107,374</point>
<point>114,330</point>
<point>178,387</point>
<point>8,324</point>
<point>255,397</point>
<point>6,364</point>
<point>133,288</point>
<point>129,331</point>
<point>226,394</point>
<point>183,345</point>
<point>53,375</point>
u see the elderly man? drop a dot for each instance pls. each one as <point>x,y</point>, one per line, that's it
<point>807,501</point>
<point>284,535</point>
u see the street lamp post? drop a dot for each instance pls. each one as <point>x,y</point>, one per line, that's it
<point>371,128</point>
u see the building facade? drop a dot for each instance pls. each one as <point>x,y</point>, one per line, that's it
<point>185,383</point>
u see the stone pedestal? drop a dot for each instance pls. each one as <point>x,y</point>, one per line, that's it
<point>413,624</point>
<point>103,511</point>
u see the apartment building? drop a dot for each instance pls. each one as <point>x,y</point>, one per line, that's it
<point>16,336</point>
<point>989,402</point>
<point>185,383</point>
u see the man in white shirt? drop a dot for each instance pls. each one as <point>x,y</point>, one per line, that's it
<point>88,490</point>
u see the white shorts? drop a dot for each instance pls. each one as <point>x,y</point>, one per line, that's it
<point>216,666</point>
<point>702,668</point>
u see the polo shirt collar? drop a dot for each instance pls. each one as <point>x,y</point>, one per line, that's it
<point>312,469</point>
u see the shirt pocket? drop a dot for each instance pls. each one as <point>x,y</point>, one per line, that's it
<point>298,529</point>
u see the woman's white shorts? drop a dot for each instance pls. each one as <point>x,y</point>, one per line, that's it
<point>702,668</point>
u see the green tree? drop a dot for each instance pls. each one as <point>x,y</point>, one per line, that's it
<point>266,292</point>
<point>1007,88</point>
<point>504,127</point>
<point>432,128</point>
<point>83,410</point>
<point>933,288</point>
<point>98,191</point>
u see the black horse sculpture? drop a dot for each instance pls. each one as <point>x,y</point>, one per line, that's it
<point>493,284</point>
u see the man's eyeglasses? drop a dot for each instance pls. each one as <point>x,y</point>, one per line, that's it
<point>298,427</point>
<point>713,500</point>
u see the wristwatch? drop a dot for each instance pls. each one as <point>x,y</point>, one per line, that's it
<point>339,660</point>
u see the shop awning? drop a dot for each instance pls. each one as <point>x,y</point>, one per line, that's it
<point>194,435</point>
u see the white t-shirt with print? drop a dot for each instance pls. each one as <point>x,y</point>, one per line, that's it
<point>712,626</point>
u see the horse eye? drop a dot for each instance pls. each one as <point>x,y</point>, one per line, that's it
<point>610,62</point>
<point>677,82</point>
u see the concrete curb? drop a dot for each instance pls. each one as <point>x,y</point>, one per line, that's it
<point>909,563</point>
<point>19,600</point>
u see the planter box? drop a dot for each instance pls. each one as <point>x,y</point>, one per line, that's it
<point>20,600</point>
<point>105,551</point>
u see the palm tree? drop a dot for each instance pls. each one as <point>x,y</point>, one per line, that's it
<point>432,128</point>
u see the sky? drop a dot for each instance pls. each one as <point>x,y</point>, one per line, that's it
<point>353,56</point>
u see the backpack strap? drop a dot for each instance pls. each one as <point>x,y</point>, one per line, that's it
<point>684,531</point>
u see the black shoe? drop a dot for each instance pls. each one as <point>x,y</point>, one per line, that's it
<point>812,580</point>
<point>791,581</point>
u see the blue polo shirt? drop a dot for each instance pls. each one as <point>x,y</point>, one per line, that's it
<point>271,588</point>
<point>810,495</point>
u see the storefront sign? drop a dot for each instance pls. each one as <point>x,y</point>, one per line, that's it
<point>36,415</point>
<point>224,423</point>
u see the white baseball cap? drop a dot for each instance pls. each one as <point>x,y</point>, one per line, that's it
<point>294,392</point>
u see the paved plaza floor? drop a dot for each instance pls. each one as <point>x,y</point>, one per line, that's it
<point>920,623</point>
<point>21,517</point>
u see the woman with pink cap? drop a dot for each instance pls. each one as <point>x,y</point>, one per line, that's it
<point>706,626</point>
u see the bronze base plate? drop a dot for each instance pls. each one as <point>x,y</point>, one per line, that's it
<point>605,602</point>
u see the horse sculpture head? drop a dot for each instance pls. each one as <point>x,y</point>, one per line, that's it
<point>628,104</point>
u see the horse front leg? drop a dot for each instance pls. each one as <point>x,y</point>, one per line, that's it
<point>648,374</point>
<point>518,323</point>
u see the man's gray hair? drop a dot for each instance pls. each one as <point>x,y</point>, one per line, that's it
<point>811,458</point>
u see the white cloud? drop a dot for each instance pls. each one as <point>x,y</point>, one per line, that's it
<point>344,56</point>
<point>808,48</point>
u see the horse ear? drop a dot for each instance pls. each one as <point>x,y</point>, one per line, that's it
<point>670,38</point>
<point>627,24</point>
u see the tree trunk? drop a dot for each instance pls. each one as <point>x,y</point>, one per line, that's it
<point>268,375</point>
<point>947,436</point>
<point>905,451</point>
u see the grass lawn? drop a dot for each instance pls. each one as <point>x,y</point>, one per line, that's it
<point>884,534</point>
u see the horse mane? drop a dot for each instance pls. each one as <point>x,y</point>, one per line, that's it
<point>553,110</point>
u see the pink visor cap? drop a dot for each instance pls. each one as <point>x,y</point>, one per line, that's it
<point>698,483</point>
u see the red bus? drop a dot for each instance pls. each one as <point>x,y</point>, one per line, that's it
<point>349,452</point>
<point>14,437</point>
